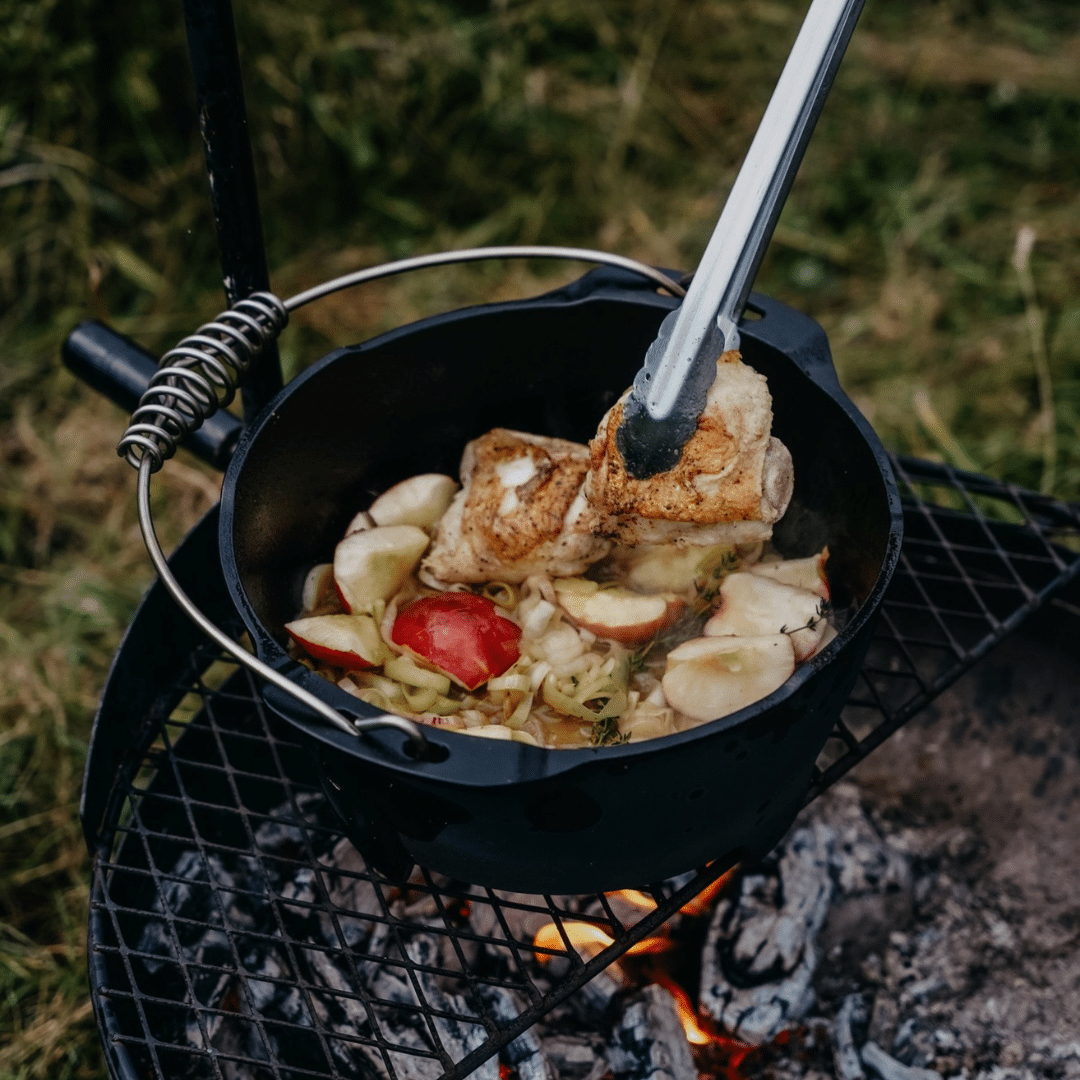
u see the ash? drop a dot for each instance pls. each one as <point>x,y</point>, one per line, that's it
<point>952,940</point>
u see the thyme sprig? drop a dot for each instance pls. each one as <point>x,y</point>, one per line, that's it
<point>710,577</point>
<point>822,612</point>
<point>606,733</point>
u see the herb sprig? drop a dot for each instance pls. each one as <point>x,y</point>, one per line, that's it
<point>606,733</point>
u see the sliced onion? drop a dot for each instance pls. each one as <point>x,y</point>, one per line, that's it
<point>491,731</point>
<point>538,673</point>
<point>535,621</point>
<point>378,699</point>
<point>511,681</point>
<point>561,645</point>
<point>499,592</point>
<point>518,717</point>
<point>404,670</point>
<point>372,680</point>
<point>567,705</point>
<point>420,700</point>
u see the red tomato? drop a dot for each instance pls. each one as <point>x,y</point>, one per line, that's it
<point>461,634</point>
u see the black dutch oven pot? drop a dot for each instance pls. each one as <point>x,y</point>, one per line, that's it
<point>504,814</point>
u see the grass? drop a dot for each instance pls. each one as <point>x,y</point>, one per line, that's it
<point>933,231</point>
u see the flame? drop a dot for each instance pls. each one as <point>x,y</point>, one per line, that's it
<point>635,898</point>
<point>580,935</point>
<point>699,904</point>
<point>698,1034</point>
<point>695,1033</point>
<point>590,938</point>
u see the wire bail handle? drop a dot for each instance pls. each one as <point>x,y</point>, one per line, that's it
<point>202,374</point>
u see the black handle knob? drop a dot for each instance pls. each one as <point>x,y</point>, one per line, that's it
<point>118,368</point>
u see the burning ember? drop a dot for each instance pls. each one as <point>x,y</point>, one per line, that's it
<point>552,940</point>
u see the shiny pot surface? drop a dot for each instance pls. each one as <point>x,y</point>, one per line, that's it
<point>500,813</point>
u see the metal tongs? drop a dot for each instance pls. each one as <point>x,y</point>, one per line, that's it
<point>669,391</point>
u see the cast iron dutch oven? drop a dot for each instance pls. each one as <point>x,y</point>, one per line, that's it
<point>504,814</point>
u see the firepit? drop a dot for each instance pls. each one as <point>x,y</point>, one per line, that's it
<point>233,932</point>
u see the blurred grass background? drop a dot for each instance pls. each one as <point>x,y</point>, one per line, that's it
<point>933,230</point>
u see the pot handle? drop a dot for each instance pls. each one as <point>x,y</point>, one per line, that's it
<point>201,375</point>
<point>121,370</point>
<point>796,335</point>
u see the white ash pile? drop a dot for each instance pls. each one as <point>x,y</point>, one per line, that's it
<point>762,951</point>
<point>979,977</point>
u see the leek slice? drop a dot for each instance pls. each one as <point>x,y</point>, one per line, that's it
<point>402,669</point>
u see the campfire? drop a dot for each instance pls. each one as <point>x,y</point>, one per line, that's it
<point>864,946</point>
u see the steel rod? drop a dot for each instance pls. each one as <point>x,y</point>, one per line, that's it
<point>230,168</point>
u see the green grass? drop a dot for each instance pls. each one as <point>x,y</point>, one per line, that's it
<point>397,127</point>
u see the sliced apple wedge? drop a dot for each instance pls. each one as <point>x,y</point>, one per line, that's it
<point>670,567</point>
<point>318,587</point>
<point>751,604</point>
<point>372,565</point>
<point>710,677</point>
<point>360,523</point>
<point>420,500</point>
<point>808,573</point>
<point>617,613</point>
<point>352,642</point>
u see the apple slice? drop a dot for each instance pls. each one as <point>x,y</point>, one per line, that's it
<point>459,633</point>
<point>420,500</point>
<point>751,604</point>
<point>710,677</point>
<point>372,565</point>
<point>352,642</point>
<point>671,567</point>
<point>318,587</point>
<point>808,573</point>
<point>617,613</point>
<point>360,523</point>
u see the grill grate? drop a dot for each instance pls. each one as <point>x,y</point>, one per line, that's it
<point>233,933</point>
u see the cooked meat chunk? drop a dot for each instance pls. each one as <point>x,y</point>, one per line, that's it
<point>731,483</point>
<point>520,511</point>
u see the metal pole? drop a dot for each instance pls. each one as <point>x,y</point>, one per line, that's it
<point>219,98</point>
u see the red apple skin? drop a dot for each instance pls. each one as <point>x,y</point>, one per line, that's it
<point>621,615</point>
<point>460,634</point>
<point>335,630</point>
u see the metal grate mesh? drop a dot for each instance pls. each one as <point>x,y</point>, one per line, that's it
<point>233,933</point>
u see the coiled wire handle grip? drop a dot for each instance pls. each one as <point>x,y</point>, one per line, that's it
<point>202,374</point>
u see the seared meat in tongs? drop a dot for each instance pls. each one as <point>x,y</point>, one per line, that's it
<point>733,480</point>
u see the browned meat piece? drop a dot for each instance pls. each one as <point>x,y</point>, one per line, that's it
<point>520,511</point>
<point>732,482</point>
